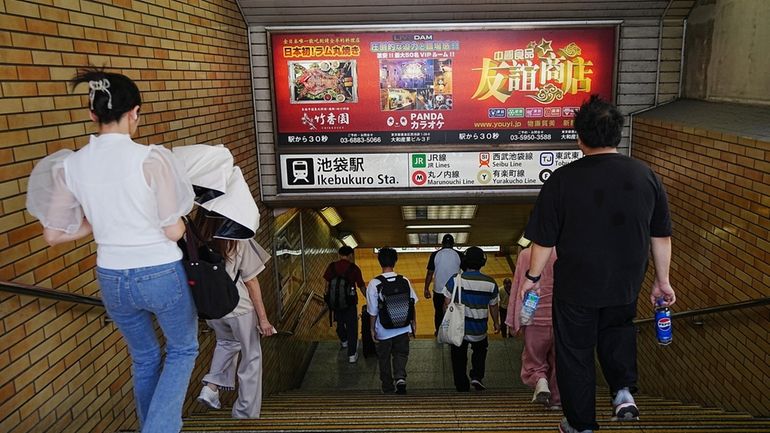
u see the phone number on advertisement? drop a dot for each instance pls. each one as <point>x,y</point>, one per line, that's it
<point>357,140</point>
<point>530,137</point>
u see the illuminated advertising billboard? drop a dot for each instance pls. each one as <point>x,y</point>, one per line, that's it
<point>449,87</point>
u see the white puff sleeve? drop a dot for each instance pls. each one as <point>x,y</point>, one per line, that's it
<point>166,176</point>
<point>49,199</point>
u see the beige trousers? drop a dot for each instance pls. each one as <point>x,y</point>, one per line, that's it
<point>238,335</point>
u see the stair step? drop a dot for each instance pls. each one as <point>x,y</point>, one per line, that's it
<point>444,410</point>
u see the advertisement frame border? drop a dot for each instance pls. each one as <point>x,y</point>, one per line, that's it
<point>390,28</point>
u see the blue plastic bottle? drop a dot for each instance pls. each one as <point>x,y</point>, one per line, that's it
<point>663,324</point>
<point>528,307</point>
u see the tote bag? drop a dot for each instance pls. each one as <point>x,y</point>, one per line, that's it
<point>452,329</point>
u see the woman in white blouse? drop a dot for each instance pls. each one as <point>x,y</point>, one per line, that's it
<point>131,197</point>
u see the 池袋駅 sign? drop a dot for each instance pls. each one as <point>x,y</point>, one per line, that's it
<point>449,87</point>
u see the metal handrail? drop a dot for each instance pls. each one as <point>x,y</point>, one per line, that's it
<point>309,296</point>
<point>41,292</point>
<point>711,310</point>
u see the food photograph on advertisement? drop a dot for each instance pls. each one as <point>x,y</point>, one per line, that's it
<point>325,81</point>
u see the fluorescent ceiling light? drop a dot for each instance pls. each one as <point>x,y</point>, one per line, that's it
<point>439,227</point>
<point>331,216</point>
<point>435,238</point>
<point>438,212</point>
<point>487,248</point>
<point>350,241</point>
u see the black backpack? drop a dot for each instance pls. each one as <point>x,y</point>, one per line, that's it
<point>341,292</point>
<point>396,306</point>
<point>214,292</point>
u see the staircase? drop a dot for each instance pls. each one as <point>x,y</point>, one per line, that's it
<point>449,411</point>
<point>339,397</point>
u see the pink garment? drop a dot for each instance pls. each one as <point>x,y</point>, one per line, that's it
<point>543,312</point>
<point>538,360</point>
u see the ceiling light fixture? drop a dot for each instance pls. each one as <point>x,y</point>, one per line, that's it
<point>439,227</point>
<point>435,238</point>
<point>349,240</point>
<point>331,216</point>
<point>434,212</point>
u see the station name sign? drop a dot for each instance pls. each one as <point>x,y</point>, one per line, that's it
<point>423,170</point>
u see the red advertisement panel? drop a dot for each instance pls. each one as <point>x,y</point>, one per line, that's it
<point>442,87</point>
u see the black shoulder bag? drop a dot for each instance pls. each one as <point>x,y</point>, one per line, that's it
<point>214,292</point>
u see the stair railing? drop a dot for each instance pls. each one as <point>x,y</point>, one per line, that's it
<point>297,317</point>
<point>56,295</point>
<point>41,292</point>
<point>712,310</point>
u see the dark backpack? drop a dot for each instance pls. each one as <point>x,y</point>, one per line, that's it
<point>396,306</point>
<point>341,292</point>
<point>214,292</point>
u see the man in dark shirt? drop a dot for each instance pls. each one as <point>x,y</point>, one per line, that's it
<point>603,213</point>
<point>347,319</point>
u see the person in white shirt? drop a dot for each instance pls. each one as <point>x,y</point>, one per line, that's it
<point>131,197</point>
<point>392,341</point>
<point>442,265</point>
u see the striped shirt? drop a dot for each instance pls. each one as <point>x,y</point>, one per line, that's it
<point>479,291</point>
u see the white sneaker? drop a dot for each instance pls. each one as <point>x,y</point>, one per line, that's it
<point>401,386</point>
<point>353,359</point>
<point>542,393</point>
<point>564,427</point>
<point>344,345</point>
<point>209,397</point>
<point>478,385</point>
<point>624,407</point>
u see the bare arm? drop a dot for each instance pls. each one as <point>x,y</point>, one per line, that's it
<point>539,259</point>
<point>494,311</point>
<point>175,231</point>
<point>661,256</point>
<point>55,237</point>
<point>372,319</point>
<point>255,294</point>
<point>428,279</point>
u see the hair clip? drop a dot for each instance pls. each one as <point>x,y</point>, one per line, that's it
<point>96,85</point>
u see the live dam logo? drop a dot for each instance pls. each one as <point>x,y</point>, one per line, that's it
<point>309,172</point>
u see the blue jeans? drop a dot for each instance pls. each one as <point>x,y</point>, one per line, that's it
<point>132,297</point>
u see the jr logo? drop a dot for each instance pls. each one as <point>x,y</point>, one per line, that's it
<point>419,160</point>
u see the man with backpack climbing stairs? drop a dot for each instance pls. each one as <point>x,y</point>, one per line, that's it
<point>342,278</point>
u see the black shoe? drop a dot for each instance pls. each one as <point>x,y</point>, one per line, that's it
<point>388,390</point>
<point>400,386</point>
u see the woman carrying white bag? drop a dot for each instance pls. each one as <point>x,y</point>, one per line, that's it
<point>474,289</point>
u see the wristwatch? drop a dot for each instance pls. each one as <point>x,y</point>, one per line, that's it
<point>531,278</point>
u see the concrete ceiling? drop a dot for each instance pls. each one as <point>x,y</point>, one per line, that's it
<point>327,12</point>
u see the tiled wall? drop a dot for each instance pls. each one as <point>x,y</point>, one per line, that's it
<point>61,368</point>
<point>719,192</point>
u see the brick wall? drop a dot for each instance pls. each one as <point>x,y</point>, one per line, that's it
<point>61,368</point>
<point>719,192</point>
